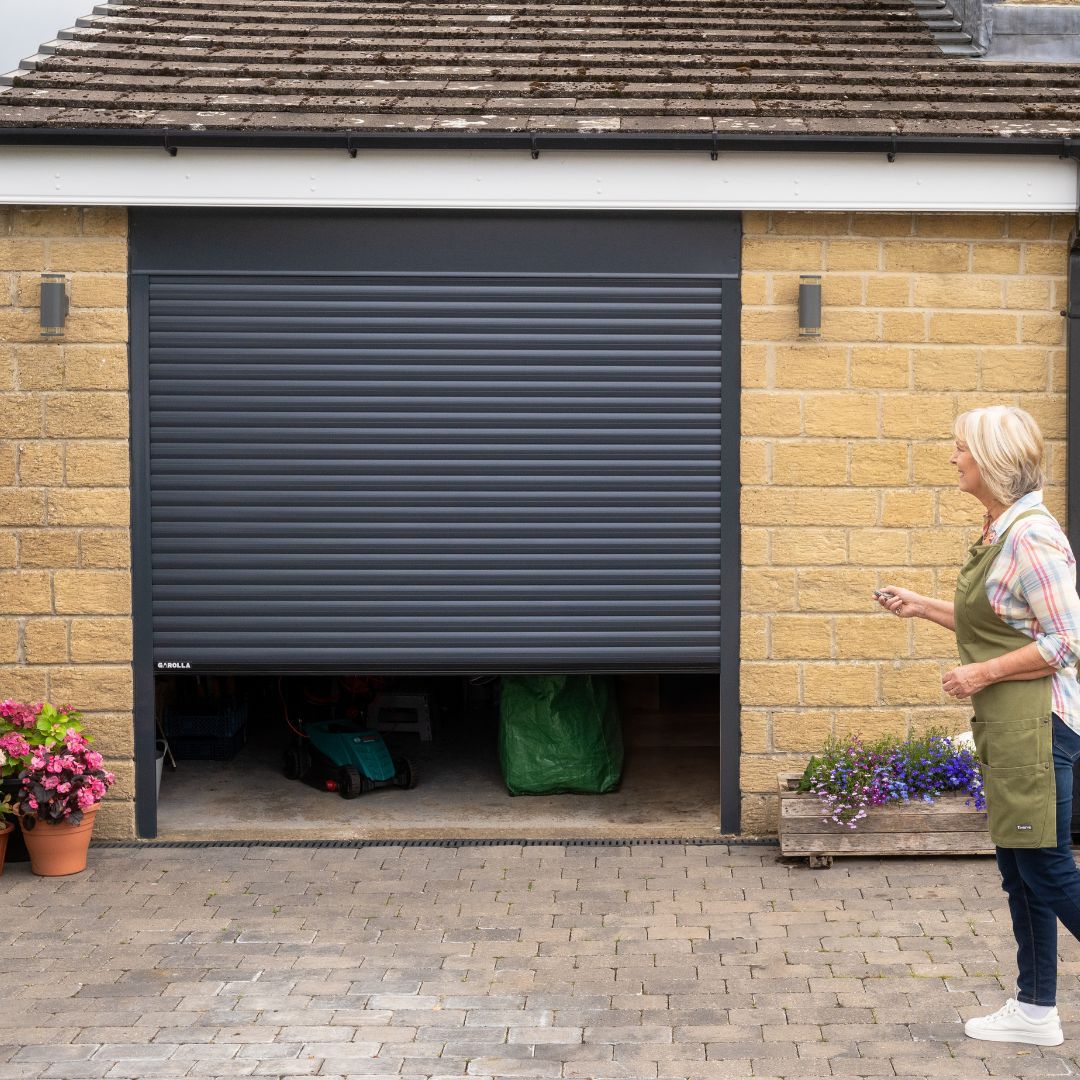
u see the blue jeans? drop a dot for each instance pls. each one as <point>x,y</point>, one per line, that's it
<point>1043,885</point>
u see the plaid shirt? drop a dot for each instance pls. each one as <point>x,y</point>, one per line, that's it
<point>1032,587</point>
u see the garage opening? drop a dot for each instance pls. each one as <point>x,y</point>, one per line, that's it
<point>419,448</point>
<point>234,774</point>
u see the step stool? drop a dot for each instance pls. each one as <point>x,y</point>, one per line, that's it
<point>417,704</point>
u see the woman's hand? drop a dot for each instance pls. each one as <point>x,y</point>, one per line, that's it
<point>902,602</point>
<point>966,680</point>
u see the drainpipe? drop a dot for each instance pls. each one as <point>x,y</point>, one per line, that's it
<point>1072,354</point>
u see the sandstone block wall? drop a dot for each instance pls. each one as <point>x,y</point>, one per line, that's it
<point>846,440</point>
<point>65,586</point>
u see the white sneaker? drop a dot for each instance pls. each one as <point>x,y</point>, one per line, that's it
<point>1009,1024</point>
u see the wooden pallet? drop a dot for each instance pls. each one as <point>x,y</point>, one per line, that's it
<point>943,827</point>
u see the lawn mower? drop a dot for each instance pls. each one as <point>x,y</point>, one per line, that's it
<point>342,755</point>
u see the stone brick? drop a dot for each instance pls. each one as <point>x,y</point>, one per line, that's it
<point>90,689</point>
<point>20,325</point>
<point>99,291</point>
<point>101,640</point>
<point>851,324</point>
<point>931,464</point>
<point>809,463</point>
<point>879,463</point>
<point>995,259</point>
<point>838,290</point>
<point>1029,226</point>
<point>810,366</point>
<point>806,730</point>
<point>753,289</point>
<point>753,463</point>
<point>41,464</point>
<point>839,684</point>
<point>22,415</point>
<point>769,413</point>
<point>756,222</point>
<point>769,324</point>
<point>97,464</point>
<point>769,683</point>
<point>755,366</point>
<point>1049,412</point>
<point>759,773</point>
<point>46,221</point>
<point>39,367</point>
<point>8,550</point>
<point>907,508</point>
<point>902,326</point>
<point>873,636</point>
<point>105,221</point>
<point>871,724</point>
<point>808,547</point>
<point>888,290</point>
<point>964,328</point>
<point>884,366</point>
<point>800,223</point>
<point>918,416</point>
<point>771,253</point>
<point>46,641</point>
<point>48,548</point>
<point>808,506</point>
<point>962,226</point>
<point>7,366</point>
<point>95,367</point>
<point>800,637</point>
<point>1042,329</point>
<point>19,506</point>
<point>88,253</point>
<point>883,224</point>
<point>752,639</point>
<point>755,547</point>
<point>768,590</point>
<point>25,683</point>
<point>115,820</point>
<point>87,415</point>
<point>1030,293</point>
<point>97,325</point>
<point>851,414</point>
<point>106,548</point>
<point>853,255</point>
<point>114,734</point>
<point>8,470</point>
<point>92,506</point>
<point>20,253</point>
<point>835,590</point>
<point>92,592</point>
<point>25,592</point>
<point>936,368</point>
<point>932,256</point>
<point>914,682</point>
<point>958,291</point>
<point>956,508</point>
<point>1015,369</point>
<point>754,732</point>
<point>878,547</point>
<point>9,641</point>
<point>1046,259</point>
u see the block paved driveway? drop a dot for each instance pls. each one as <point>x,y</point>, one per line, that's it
<point>511,960</point>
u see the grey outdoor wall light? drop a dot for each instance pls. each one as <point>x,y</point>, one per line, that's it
<point>809,305</point>
<point>54,304</point>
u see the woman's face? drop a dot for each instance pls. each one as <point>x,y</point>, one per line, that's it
<point>969,478</point>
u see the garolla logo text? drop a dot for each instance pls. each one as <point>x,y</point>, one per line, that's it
<point>174,665</point>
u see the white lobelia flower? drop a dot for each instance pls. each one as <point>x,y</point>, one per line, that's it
<point>964,741</point>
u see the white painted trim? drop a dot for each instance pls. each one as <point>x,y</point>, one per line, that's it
<point>510,179</point>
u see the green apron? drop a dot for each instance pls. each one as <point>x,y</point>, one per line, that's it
<point>1012,724</point>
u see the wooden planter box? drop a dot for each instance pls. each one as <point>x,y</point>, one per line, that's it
<point>943,827</point>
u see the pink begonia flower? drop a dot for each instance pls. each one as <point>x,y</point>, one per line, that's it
<point>32,803</point>
<point>63,789</point>
<point>50,783</point>
<point>94,760</point>
<point>14,745</point>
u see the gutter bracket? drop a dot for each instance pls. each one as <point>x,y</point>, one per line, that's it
<point>349,146</point>
<point>890,155</point>
<point>170,149</point>
<point>714,153</point>
<point>534,151</point>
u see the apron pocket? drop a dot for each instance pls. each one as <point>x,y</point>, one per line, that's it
<point>1014,743</point>
<point>1020,803</point>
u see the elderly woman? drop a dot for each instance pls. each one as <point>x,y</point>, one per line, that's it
<point>1016,615</point>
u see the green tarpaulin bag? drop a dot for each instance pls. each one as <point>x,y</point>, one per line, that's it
<point>559,733</point>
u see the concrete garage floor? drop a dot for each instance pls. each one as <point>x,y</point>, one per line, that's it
<point>664,793</point>
<point>670,789</point>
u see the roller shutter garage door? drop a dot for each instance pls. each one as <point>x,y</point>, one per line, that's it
<point>496,463</point>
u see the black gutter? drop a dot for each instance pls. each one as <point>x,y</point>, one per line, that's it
<point>172,140</point>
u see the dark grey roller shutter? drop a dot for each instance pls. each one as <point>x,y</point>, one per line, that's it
<point>438,472</point>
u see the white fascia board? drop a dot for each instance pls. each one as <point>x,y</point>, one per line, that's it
<point>508,179</point>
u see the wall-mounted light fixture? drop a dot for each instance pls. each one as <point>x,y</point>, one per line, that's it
<point>809,305</point>
<point>54,304</point>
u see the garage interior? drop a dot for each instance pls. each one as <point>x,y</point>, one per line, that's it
<point>669,789</point>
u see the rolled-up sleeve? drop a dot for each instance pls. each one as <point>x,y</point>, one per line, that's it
<point>1046,572</point>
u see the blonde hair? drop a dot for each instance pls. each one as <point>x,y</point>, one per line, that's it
<point>1007,445</point>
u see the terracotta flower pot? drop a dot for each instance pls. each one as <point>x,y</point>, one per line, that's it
<point>58,849</point>
<point>6,829</point>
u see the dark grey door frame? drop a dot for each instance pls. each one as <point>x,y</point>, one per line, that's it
<point>144,669</point>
